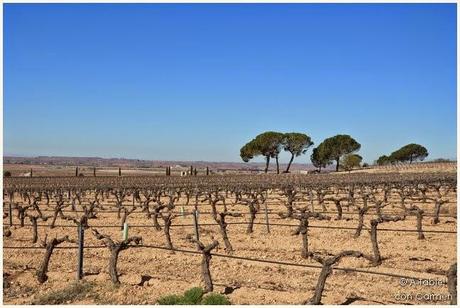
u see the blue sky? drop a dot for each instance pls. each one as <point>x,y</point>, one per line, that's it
<point>196,82</point>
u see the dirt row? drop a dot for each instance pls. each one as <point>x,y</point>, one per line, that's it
<point>245,282</point>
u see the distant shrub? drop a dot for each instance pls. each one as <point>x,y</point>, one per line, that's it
<point>365,165</point>
<point>75,291</point>
<point>215,299</point>
<point>6,174</point>
<point>81,174</point>
<point>170,300</point>
<point>441,160</point>
<point>194,296</point>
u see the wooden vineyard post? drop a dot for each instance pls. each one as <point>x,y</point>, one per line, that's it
<point>191,170</point>
<point>267,222</point>
<point>452,283</point>
<point>81,240</point>
<point>94,171</point>
<point>207,170</point>
<point>10,209</point>
<point>195,223</point>
<point>119,171</point>
<point>76,171</point>
<point>30,172</point>
<point>311,201</point>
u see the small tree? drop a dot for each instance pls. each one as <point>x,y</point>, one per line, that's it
<point>267,144</point>
<point>409,153</point>
<point>297,144</point>
<point>6,174</point>
<point>248,151</point>
<point>351,161</point>
<point>384,160</point>
<point>334,148</point>
<point>319,159</point>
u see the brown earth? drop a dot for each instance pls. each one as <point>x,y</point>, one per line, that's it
<point>256,282</point>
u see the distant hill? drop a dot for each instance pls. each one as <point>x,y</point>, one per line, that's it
<point>138,163</point>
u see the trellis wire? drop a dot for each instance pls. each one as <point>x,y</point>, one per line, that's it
<point>346,269</point>
<point>244,223</point>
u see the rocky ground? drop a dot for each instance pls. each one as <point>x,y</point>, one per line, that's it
<point>146,274</point>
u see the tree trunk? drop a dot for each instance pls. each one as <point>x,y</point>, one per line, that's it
<point>228,245</point>
<point>360,223</point>
<point>419,214</point>
<point>385,195</point>
<point>339,210</point>
<point>168,236</point>
<point>452,283</point>
<point>375,244</point>
<point>321,201</point>
<point>289,210</point>
<point>277,165</point>
<point>22,216</point>
<point>325,272</point>
<point>54,219</point>
<point>311,201</point>
<point>113,265</point>
<point>403,204</point>
<point>43,269</point>
<point>437,211</point>
<point>298,229</point>
<point>337,166</point>
<point>252,217</point>
<point>304,232</point>
<point>223,232</point>
<point>267,162</point>
<point>33,220</point>
<point>378,209</point>
<point>155,221</point>
<point>289,164</point>
<point>206,272</point>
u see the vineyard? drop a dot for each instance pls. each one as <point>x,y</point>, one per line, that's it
<point>385,238</point>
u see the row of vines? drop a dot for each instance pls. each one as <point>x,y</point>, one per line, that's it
<point>375,199</point>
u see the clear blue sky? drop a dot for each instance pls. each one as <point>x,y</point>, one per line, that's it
<point>196,82</point>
